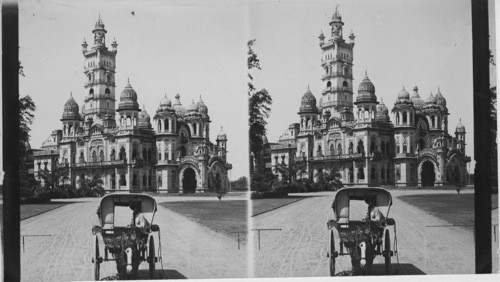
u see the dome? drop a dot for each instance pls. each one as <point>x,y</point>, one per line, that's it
<point>99,24</point>
<point>221,136</point>
<point>403,94</point>
<point>440,100</point>
<point>178,107</point>
<point>308,103</point>
<point>202,108</point>
<point>417,101</point>
<point>165,102</point>
<point>71,109</point>
<point>460,127</point>
<point>144,119</point>
<point>366,85</point>
<point>430,99</point>
<point>192,107</point>
<point>128,99</point>
<point>382,109</point>
<point>366,91</point>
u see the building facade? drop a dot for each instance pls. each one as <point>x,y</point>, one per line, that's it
<point>120,143</point>
<point>353,134</point>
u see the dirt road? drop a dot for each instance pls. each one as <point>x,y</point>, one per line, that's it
<point>189,250</point>
<point>300,248</point>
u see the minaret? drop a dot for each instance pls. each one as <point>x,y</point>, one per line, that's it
<point>336,61</point>
<point>99,70</point>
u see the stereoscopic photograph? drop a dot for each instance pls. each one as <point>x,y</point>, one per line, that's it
<point>249,139</point>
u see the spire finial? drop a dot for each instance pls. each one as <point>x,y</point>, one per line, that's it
<point>460,120</point>
<point>128,80</point>
<point>382,100</point>
<point>308,87</point>
<point>366,72</point>
<point>71,94</point>
<point>99,15</point>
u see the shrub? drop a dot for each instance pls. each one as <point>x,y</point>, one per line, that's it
<point>255,195</point>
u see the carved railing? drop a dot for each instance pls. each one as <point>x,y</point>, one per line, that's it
<point>97,164</point>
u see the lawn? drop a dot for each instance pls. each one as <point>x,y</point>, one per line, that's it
<point>225,216</point>
<point>31,210</point>
<point>453,208</point>
<point>260,206</point>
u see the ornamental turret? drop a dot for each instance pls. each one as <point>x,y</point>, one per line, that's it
<point>460,136</point>
<point>128,108</point>
<point>404,110</point>
<point>366,101</point>
<point>165,118</point>
<point>70,118</point>
<point>222,142</point>
<point>308,111</point>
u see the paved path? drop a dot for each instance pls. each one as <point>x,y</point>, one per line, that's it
<point>189,250</point>
<point>300,248</point>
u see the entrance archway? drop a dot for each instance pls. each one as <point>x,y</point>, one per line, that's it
<point>189,181</point>
<point>427,174</point>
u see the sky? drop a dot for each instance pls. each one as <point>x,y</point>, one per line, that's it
<point>426,43</point>
<point>189,47</point>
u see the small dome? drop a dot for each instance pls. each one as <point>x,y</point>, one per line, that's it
<point>417,101</point>
<point>366,91</point>
<point>144,119</point>
<point>128,99</point>
<point>430,99</point>
<point>178,107</point>
<point>403,94</point>
<point>460,127</point>
<point>202,108</point>
<point>382,108</point>
<point>440,100</point>
<point>308,103</point>
<point>71,109</point>
<point>221,136</point>
<point>192,107</point>
<point>99,24</point>
<point>165,102</point>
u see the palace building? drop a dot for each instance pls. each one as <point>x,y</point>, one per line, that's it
<point>121,144</point>
<point>353,134</point>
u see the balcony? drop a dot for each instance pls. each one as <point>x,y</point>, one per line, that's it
<point>299,159</point>
<point>167,162</point>
<point>338,157</point>
<point>404,155</point>
<point>101,164</point>
<point>97,81</point>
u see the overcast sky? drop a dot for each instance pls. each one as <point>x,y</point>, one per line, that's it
<point>190,47</point>
<point>400,43</point>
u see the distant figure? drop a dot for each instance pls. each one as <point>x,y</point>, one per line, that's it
<point>374,214</point>
<point>138,219</point>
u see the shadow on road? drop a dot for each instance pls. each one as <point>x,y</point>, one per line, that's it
<point>378,269</point>
<point>159,274</point>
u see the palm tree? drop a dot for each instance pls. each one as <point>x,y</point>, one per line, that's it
<point>91,187</point>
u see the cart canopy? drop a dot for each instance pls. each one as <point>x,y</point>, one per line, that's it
<point>106,209</point>
<point>345,196</point>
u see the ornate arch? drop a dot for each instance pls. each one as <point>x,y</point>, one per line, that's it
<point>182,171</point>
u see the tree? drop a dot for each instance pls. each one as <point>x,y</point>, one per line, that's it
<point>259,109</point>
<point>53,178</point>
<point>91,187</point>
<point>329,181</point>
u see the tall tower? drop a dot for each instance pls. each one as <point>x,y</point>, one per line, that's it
<point>336,61</point>
<point>99,70</point>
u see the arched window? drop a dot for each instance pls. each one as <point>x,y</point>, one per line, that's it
<point>159,125</point>
<point>159,181</point>
<point>405,117</point>
<point>113,181</point>
<point>91,91</point>
<point>94,156</point>
<point>183,151</point>
<point>108,77</point>
<point>134,180</point>
<point>345,84</point>
<point>373,173</point>
<point>433,121</point>
<point>361,173</point>
<point>332,149</point>
<point>123,181</point>
<point>149,157</point>
<point>351,148</point>
<point>101,156</point>
<point>351,174</point>
<point>149,180</point>
<point>397,118</point>
<point>167,125</point>
<point>329,84</point>
<point>372,146</point>
<point>405,147</point>
<point>144,179</point>
<point>397,148</point>
<point>145,155</point>
<point>398,174</point>
<point>382,146</point>
<point>382,173</point>
<point>123,155</point>
<point>107,91</point>
<point>90,77</point>
<point>81,158</point>
<point>339,149</point>
<point>134,153</point>
<point>361,147</point>
<point>112,156</point>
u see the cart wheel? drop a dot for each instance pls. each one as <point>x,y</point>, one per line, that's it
<point>387,251</point>
<point>332,254</point>
<point>96,260</point>
<point>151,257</point>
